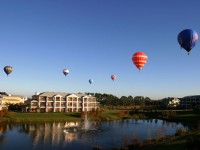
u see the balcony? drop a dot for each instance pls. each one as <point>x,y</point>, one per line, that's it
<point>69,99</point>
<point>42,98</point>
<point>50,99</point>
<point>33,106</point>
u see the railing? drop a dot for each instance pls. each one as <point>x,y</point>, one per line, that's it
<point>33,106</point>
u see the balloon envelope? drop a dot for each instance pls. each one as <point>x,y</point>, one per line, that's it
<point>139,59</point>
<point>65,71</point>
<point>113,77</point>
<point>8,69</point>
<point>90,81</point>
<point>187,39</point>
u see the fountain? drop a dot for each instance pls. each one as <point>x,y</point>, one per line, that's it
<point>84,126</point>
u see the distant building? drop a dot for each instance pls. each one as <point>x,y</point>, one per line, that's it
<point>190,101</point>
<point>62,102</point>
<point>31,105</point>
<point>12,99</point>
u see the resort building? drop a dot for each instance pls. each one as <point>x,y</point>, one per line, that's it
<point>62,102</point>
<point>190,101</point>
<point>11,99</point>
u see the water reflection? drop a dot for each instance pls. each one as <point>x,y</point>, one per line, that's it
<point>58,135</point>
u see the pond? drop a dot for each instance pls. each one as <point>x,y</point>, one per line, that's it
<point>71,135</point>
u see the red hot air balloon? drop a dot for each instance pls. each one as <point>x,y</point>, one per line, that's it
<point>139,59</point>
<point>113,77</point>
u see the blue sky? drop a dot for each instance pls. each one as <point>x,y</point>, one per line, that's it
<point>95,39</point>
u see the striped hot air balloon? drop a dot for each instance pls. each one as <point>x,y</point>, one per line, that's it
<point>113,77</point>
<point>139,59</point>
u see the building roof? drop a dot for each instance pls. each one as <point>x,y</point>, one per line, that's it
<point>31,100</point>
<point>81,94</point>
<point>18,96</point>
<point>63,94</point>
<point>51,94</point>
<point>192,96</point>
<point>11,95</point>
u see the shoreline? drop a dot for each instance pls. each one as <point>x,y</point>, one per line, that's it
<point>173,142</point>
<point>190,117</point>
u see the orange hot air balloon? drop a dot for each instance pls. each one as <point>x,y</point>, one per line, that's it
<point>139,59</point>
<point>113,77</point>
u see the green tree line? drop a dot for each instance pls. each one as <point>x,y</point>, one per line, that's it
<point>112,100</point>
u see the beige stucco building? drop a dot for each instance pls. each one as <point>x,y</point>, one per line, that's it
<point>62,102</point>
<point>11,99</point>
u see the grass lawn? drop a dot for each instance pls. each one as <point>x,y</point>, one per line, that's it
<point>110,115</point>
<point>190,140</point>
<point>58,116</point>
<point>183,116</point>
<point>192,118</point>
<point>42,117</point>
<point>188,116</point>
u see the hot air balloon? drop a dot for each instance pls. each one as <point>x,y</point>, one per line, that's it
<point>90,81</point>
<point>65,71</point>
<point>8,69</point>
<point>187,39</point>
<point>139,59</point>
<point>113,77</point>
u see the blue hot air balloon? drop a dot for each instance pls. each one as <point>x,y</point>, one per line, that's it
<point>187,39</point>
<point>90,81</point>
<point>8,69</point>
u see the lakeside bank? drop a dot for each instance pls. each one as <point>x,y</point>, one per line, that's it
<point>191,117</point>
<point>179,141</point>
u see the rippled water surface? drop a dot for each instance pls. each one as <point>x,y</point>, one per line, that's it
<point>56,135</point>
